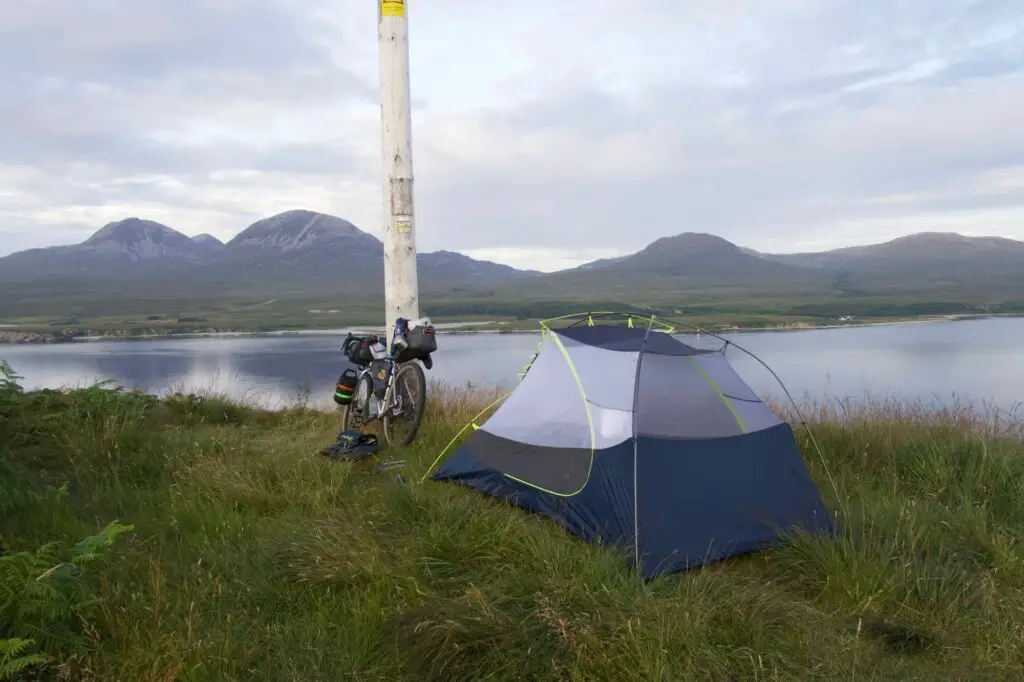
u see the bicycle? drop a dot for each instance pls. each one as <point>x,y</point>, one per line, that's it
<point>376,395</point>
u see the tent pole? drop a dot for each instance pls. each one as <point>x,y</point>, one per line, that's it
<point>636,452</point>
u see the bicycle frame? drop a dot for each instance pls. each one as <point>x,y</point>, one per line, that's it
<point>388,399</point>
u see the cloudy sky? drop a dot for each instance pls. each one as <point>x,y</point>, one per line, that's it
<point>544,132</point>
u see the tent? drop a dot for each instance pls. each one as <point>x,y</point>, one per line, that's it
<point>629,437</point>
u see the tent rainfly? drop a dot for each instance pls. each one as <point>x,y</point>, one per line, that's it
<point>630,438</point>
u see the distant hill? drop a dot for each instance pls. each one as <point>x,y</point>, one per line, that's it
<point>689,262</point>
<point>470,269</point>
<point>919,262</point>
<point>208,241</point>
<point>130,247</point>
<point>302,255</point>
<point>296,236</point>
<point>293,248</point>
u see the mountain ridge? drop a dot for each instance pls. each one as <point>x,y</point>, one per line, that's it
<point>298,251</point>
<point>250,236</point>
<point>296,245</point>
<point>919,262</point>
<point>905,244</point>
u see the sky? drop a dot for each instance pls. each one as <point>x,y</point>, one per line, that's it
<point>545,133</point>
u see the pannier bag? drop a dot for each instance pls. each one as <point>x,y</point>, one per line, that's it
<point>419,340</point>
<point>345,387</point>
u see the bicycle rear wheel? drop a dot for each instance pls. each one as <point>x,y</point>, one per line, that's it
<point>410,398</point>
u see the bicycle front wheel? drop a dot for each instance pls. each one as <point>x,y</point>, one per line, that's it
<point>409,402</point>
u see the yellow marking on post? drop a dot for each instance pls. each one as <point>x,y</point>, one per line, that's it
<point>392,8</point>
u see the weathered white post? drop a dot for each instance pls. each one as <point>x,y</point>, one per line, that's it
<point>401,288</point>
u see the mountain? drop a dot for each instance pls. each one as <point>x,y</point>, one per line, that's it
<point>481,270</point>
<point>293,249</point>
<point>131,246</point>
<point>319,240</point>
<point>137,239</point>
<point>297,246</point>
<point>922,261</point>
<point>296,236</point>
<point>702,255</point>
<point>688,262</point>
<point>208,241</point>
<point>300,254</point>
<point>923,247</point>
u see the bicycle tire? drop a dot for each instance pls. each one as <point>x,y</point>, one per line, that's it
<point>351,417</point>
<point>418,409</point>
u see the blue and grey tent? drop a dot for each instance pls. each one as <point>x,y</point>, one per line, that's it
<point>630,438</point>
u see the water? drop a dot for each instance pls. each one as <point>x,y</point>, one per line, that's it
<point>978,361</point>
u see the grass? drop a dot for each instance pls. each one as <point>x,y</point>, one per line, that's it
<point>237,552</point>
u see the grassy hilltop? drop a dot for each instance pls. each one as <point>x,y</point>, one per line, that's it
<point>243,554</point>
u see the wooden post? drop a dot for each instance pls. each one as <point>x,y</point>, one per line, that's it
<point>401,288</point>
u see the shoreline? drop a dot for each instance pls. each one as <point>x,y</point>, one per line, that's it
<point>13,335</point>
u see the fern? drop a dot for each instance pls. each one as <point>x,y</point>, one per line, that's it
<point>10,395</point>
<point>9,385</point>
<point>94,547</point>
<point>14,659</point>
<point>43,598</point>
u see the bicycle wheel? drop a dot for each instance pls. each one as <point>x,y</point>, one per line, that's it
<point>410,399</point>
<point>353,416</point>
<point>348,418</point>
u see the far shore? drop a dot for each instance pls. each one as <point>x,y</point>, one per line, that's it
<point>13,335</point>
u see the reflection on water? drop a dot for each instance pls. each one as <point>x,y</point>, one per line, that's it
<point>978,360</point>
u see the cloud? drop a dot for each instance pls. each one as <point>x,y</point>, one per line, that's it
<point>544,133</point>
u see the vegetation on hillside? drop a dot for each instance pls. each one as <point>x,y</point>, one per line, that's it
<point>233,550</point>
<point>80,315</point>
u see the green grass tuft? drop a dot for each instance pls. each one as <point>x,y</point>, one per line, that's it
<point>250,556</point>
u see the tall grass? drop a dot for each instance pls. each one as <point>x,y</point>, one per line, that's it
<point>251,556</point>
